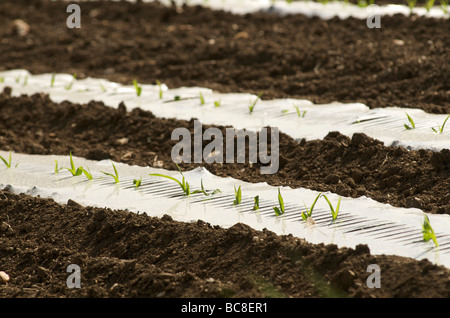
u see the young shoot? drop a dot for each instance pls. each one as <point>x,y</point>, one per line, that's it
<point>56,167</point>
<point>102,87</point>
<point>411,5</point>
<point>184,185</point>
<point>25,82</point>
<point>444,5</point>
<point>74,171</point>
<point>205,192</point>
<point>160,89</point>
<point>87,173</point>
<point>413,125</point>
<point>137,87</point>
<point>428,232</point>
<point>440,129</point>
<point>300,114</point>
<point>429,4</point>
<point>251,107</point>
<point>202,99</point>
<point>69,86</point>
<point>52,81</point>
<point>279,210</point>
<point>308,212</point>
<point>2,79</point>
<point>237,195</point>
<point>256,205</point>
<point>217,103</point>
<point>115,175</point>
<point>334,212</point>
<point>177,98</point>
<point>137,183</point>
<point>7,163</point>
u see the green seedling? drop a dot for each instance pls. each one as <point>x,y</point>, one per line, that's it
<point>238,195</point>
<point>2,79</point>
<point>334,212</point>
<point>217,103</point>
<point>160,89</point>
<point>256,205</point>
<point>56,167</point>
<point>74,171</point>
<point>427,231</point>
<point>429,4</point>
<point>52,81</point>
<point>202,99</point>
<point>87,173</point>
<point>413,125</point>
<point>25,82</point>
<point>8,163</point>
<point>115,175</point>
<point>17,79</point>
<point>279,210</point>
<point>411,5</point>
<point>300,114</point>
<point>69,86</point>
<point>137,87</point>
<point>284,111</point>
<point>205,192</point>
<point>137,183</point>
<point>251,107</point>
<point>444,6</point>
<point>102,87</point>
<point>308,212</point>
<point>183,184</point>
<point>440,129</point>
<point>177,98</point>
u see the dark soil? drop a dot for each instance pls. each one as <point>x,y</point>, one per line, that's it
<point>351,167</point>
<point>123,254</point>
<point>404,63</point>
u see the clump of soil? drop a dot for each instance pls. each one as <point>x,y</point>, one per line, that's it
<point>123,254</point>
<point>350,167</point>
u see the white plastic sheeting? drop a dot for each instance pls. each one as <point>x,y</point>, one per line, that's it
<point>329,10</point>
<point>384,124</point>
<point>386,229</point>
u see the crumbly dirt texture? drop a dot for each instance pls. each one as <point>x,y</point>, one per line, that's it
<point>404,63</point>
<point>123,254</point>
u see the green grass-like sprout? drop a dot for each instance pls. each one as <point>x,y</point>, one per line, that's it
<point>308,212</point>
<point>238,195</point>
<point>413,125</point>
<point>251,107</point>
<point>300,114</point>
<point>334,212</point>
<point>73,170</point>
<point>160,89</point>
<point>115,175</point>
<point>440,129</point>
<point>428,232</point>
<point>137,183</point>
<point>206,192</point>
<point>8,162</point>
<point>184,185</point>
<point>137,87</point>
<point>279,210</point>
<point>69,86</point>
<point>52,81</point>
<point>217,103</point>
<point>202,99</point>
<point>256,204</point>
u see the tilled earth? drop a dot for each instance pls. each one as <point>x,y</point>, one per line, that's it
<point>404,63</point>
<point>122,254</point>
